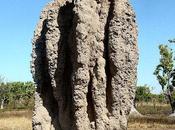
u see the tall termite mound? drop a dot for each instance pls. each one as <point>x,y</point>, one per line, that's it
<point>84,63</point>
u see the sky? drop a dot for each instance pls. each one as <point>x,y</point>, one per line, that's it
<point>155,19</point>
<point>156,25</point>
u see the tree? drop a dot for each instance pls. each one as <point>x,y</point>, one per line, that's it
<point>3,95</point>
<point>16,94</point>
<point>28,92</point>
<point>21,92</point>
<point>2,92</point>
<point>163,72</point>
<point>143,93</point>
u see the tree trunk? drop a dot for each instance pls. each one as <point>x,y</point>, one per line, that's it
<point>84,64</point>
<point>172,103</point>
<point>173,108</point>
<point>2,103</point>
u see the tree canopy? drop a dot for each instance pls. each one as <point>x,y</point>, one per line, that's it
<point>165,66</point>
<point>16,94</point>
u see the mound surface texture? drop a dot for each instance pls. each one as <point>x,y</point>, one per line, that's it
<point>84,63</point>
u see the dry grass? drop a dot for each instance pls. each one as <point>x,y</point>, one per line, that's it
<point>154,109</point>
<point>155,119</point>
<point>15,120</point>
<point>152,123</point>
<point>15,123</point>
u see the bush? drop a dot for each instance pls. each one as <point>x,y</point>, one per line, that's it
<point>143,94</point>
<point>16,95</point>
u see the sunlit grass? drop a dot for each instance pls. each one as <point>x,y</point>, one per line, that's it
<point>15,120</point>
<point>152,123</point>
<point>156,118</point>
<point>154,109</point>
<point>15,123</point>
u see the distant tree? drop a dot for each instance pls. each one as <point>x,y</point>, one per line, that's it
<point>161,98</point>
<point>21,92</point>
<point>16,94</point>
<point>143,94</point>
<point>163,72</point>
<point>28,89</point>
<point>4,92</point>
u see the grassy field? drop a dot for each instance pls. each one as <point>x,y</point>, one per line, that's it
<point>15,120</point>
<point>155,118</point>
<point>151,123</point>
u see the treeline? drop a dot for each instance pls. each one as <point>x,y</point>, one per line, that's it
<point>20,95</point>
<point>143,94</point>
<point>16,95</point>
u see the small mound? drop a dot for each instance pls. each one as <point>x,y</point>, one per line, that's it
<point>134,113</point>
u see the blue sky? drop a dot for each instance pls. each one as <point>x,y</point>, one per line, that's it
<point>18,19</point>
<point>156,25</point>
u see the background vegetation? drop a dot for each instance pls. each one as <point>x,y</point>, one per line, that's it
<point>16,95</point>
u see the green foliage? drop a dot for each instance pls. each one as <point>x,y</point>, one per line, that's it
<point>17,94</point>
<point>143,94</point>
<point>165,66</point>
<point>4,92</point>
<point>161,98</point>
<point>165,73</point>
